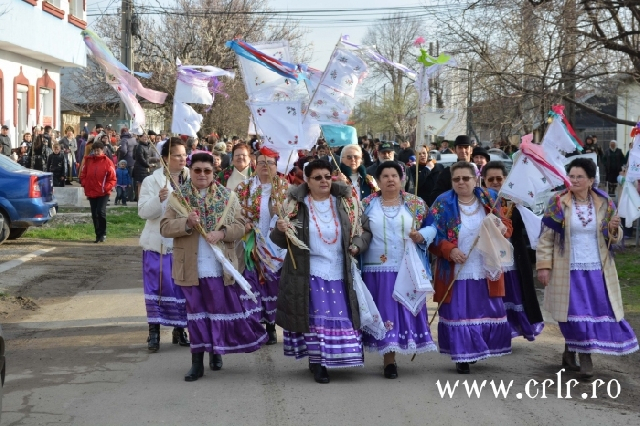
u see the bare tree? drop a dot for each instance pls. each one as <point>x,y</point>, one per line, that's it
<point>195,31</point>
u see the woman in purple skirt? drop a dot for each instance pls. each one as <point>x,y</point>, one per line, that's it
<point>473,322</point>
<point>257,196</point>
<point>582,291</point>
<point>163,298</point>
<point>393,215</point>
<point>317,304</point>
<point>520,299</point>
<point>217,320</point>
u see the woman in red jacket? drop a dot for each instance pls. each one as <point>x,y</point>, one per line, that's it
<point>98,178</point>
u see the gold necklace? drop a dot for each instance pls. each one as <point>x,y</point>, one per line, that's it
<point>467,203</point>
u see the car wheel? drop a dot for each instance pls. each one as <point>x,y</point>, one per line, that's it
<point>16,233</point>
<point>4,227</point>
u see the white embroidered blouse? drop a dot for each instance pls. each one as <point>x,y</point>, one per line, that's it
<point>326,260</point>
<point>470,224</point>
<point>585,255</point>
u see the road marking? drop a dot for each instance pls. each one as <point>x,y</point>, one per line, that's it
<point>19,261</point>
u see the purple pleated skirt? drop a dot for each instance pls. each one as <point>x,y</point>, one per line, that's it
<point>406,334</point>
<point>249,305</point>
<point>166,305</point>
<point>218,321</point>
<point>269,296</point>
<point>592,326</point>
<point>332,340</point>
<point>473,326</point>
<point>520,325</point>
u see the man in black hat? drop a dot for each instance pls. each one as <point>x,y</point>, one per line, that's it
<point>387,153</point>
<point>5,141</point>
<point>463,151</point>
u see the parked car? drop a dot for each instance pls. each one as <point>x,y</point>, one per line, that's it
<point>26,199</point>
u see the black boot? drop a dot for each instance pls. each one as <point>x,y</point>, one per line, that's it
<point>197,367</point>
<point>271,332</point>
<point>569,359</point>
<point>463,368</point>
<point>154,337</point>
<point>320,374</point>
<point>180,336</point>
<point>215,361</point>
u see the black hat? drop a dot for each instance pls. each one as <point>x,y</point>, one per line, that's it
<point>99,126</point>
<point>385,146</point>
<point>463,140</point>
<point>151,133</point>
<point>480,151</point>
<point>5,127</point>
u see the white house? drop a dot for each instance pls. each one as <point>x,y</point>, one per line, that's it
<point>37,38</point>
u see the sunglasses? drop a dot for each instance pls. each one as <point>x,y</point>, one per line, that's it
<point>264,163</point>
<point>497,179</point>
<point>319,178</point>
<point>353,157</point>
<point>461,178</point>
<point>199,171</point>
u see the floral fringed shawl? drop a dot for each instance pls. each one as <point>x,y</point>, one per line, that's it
<point>211,206</point>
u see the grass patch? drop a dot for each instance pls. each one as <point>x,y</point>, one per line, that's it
<point>628,264</point>
<point>121,223</point>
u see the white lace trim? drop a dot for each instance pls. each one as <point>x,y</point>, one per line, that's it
<point>168,322</point>
<point>584,242</point>
<point>326,260</point>
<point>223,317</point>
<point>380,268</point>
<point>164,299</point>
<point>228,348</point>
<point>584,318</point>
<point>208,265</point>
<point>273,311</point>
<point>477,356</point>
<point>473,321</point>
<point>244,296</point>
<point>270,299</point>
<point>510,268</point>
<point>412,348</point>
<point>593,266</point>
<point>513,307</point>
<point>605,344</point>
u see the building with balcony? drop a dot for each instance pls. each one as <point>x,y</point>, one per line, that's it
<point>38,38</point>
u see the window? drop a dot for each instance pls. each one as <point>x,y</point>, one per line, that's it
<point>53,7</point>
<point>76,8</point>
<point>56,3</point>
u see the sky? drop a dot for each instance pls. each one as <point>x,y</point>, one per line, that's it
<point>324,37</point>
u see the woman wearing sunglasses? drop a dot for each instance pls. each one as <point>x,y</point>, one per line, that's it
<point>317,304</point>
<point>520,299</point>
<point>164,300</point>
<point>393,215</point>
<point>217,320</point>
<point>473,322</point>
<point>257,196</point>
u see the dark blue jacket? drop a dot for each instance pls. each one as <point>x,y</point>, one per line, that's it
<point>123,177</point>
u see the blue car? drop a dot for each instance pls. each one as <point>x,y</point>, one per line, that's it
<point>26,199</point>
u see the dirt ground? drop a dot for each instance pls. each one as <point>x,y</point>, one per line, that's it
<point>75,330</point>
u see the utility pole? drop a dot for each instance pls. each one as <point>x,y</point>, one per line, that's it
<point>126,43</point>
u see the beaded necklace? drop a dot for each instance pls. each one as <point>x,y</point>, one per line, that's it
<point>589,218</point>
<point>335,220</point>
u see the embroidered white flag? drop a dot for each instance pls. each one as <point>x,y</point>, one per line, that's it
<point>196,92</point>
<point>629,203</point>
<point>633,170</point>
<point>532,224</point>
<point>263,84</point>
<point>186,121</point>
<point>525,181</point>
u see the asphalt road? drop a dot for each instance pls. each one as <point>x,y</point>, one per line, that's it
<point>75,331</point>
